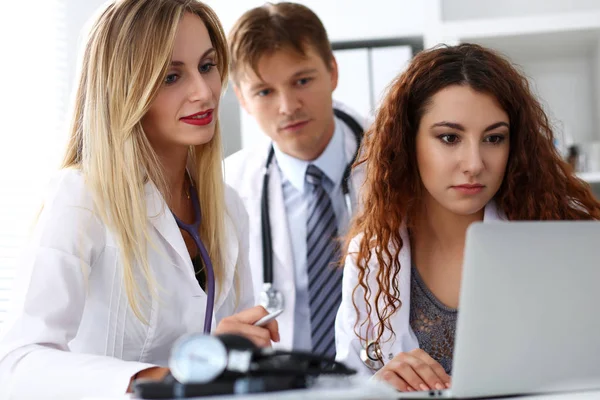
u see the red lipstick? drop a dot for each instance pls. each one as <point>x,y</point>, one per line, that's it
<point>200,118</point>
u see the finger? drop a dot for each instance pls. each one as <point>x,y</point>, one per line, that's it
<point>273,328</point>
<point>426,373</point>
<point>248,331</point>
<point>405,371</point>
<point>250,315</point>
<point>435,366</point>
<point>393,379</point>
<point>441,373</point>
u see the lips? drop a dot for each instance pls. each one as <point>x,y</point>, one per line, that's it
<point>474,186</point>
<point>199,115</point>
<point>199,118</point>
<point>469,189</point>
<point>295,125</point>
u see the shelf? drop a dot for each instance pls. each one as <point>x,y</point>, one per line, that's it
<point>565,45</point>
<point>513,26</point>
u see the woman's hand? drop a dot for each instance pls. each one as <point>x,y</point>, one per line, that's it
<point>414,371</point>
<point>242,324</point>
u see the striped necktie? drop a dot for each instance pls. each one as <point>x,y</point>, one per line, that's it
<point>324,279</point>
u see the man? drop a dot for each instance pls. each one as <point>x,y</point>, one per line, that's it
<point>284,74</point>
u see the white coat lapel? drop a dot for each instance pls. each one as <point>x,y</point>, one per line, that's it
<point>162,220</point>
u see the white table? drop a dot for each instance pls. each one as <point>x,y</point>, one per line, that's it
<point>359,391</point>
<point>354,390</point>
<point>316,395</point>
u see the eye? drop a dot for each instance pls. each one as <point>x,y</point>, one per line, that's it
<point>171,78</point>
<point>264,92</point>
<point>495,139</point>
<point>449,138</point>
<point>206,68</point>
<point>303,81</point>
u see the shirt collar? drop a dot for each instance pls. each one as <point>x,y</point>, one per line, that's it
<point>332,161</point>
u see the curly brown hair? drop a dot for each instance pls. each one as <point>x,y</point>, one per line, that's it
<point>538,184</point>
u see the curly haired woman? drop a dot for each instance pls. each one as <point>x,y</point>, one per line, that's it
<point>459,138</point>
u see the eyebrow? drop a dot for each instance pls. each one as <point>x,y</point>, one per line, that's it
<point>454,125</point>
<point>306,71</point>
<point>176,63</point>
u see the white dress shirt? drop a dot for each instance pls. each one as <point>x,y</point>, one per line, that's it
<point>332,162</point>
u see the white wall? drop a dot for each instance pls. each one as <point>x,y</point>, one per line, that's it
<point>563,85</point>
<point>230,120</point>
<point>349,19</point>
<point>469,9</point>
<point>596,83</point>
<point>78,14</point>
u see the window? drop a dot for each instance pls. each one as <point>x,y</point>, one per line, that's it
<point>32,120</point>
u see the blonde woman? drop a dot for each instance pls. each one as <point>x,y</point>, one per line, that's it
<point>113,274</point>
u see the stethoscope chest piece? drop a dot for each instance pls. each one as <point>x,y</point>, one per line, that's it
<point>372,356</point>
<point>270,298</point>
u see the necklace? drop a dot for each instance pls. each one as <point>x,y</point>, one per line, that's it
<point>187,189</point>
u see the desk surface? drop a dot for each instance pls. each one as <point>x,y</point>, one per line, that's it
<point>354,394</point>
<point>363,391</point>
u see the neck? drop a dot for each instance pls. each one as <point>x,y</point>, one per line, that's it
<point>437,226</point>
<point>174,167</point>
<point>315,151</point>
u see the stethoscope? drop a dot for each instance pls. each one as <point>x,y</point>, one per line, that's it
<point>193,230</point>
<point>271,298</point>
<point>372,356</point>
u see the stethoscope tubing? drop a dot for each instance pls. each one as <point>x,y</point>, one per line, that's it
<point>194,231</point>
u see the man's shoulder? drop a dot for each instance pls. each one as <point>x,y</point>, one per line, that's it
<point>248,157</point>
<point>362,121</point>
<point>245,164</point>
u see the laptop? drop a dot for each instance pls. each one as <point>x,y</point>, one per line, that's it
<point>529,318</point>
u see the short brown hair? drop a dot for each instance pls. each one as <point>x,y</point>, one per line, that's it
<point>272,27</point>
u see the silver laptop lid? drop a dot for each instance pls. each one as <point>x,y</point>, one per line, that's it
<point>529,319</point>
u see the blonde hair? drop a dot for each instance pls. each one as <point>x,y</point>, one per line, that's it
<point>125,60</point>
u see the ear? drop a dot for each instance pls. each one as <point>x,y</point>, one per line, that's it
<point>334,73</point>
<point>240,96</point>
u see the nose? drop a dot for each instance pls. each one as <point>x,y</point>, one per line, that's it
<point>288,103</point>
<point>473,159</point>
<point>199,89</point>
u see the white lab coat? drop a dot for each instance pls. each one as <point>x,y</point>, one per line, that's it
<point>244,172</point>
<point>348,345</point>
<point>71,332</point>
